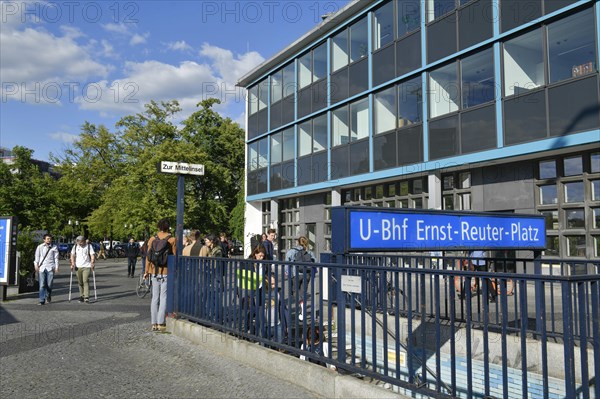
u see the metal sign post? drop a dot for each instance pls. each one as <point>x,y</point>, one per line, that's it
<point>180,169</point>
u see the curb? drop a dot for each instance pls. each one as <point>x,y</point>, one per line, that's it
<point>317,379</point>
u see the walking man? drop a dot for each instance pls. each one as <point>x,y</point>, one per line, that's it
<point>46,264</point>
<point>82,260</point>
<point>132,252</point>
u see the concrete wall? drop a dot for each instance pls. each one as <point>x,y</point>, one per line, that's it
<point>320,380</point>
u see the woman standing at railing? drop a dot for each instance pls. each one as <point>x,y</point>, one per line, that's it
<point>249,283</point>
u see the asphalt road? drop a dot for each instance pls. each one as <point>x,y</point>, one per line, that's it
<point>106,349</point>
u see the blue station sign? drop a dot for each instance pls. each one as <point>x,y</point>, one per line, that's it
<point>359,229</point>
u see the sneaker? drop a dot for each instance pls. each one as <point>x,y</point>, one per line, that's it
<point>49,299</point>
<point>81,299</point>
<point>42,303</point>
<point>86,300</point>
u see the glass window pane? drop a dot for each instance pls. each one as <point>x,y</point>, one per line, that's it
<point>595,162</point>
<point>288,144</point>
<point>595,190</point>
<point>525,118</point>
<point>576,246</point>
<point>385,110</point>
<point>575,218</point>
<point>403,203</point>
<point>320,62</point>
<point>383,25</point>
<point>438,8</point>
<point>523,63</point>
<point>289,80</point>
<point>253,100</point>
<point>548,169</point>
<point>304,70</point>
<point>276,87</point>
<point>418,203</point>
<point>339,50</point>
<point>359,40</point>
<point>417,186</point>
<point>320,133</point>
<point>465,201</point>
<point>443,137</point>
<point>552,247</point>
<point>597,246</point>
<point>551,218</point>
<point>448,182</point>
<point>574,192</point>
<point>573,166</point>
<point>263,94</point>
<point>340,128</point>
<point>517,12</point>
<point>263,151</point>
<point>465,180</point>
<point>305,138</point>
<point>276,147</point>
<point>596,218</point>
<point>478,82</point>
<point>360,120</point>
<point>404,188</point>
<point>253,156</point>
<point>410,103</point>
<point>443,91</point>
<point>571,46</point>
<point>548,194</point>
<point>409,16</point>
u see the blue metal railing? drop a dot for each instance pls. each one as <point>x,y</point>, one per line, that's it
<point>412,321</point>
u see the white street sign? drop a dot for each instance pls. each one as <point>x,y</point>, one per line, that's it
<point>180,168</point>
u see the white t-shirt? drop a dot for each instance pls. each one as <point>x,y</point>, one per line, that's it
<point>83,255</point>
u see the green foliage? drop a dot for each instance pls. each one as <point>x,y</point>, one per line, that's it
<point>26,246</point>
<point>110,183</point>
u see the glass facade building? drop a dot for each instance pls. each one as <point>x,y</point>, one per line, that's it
<point>484,105</point>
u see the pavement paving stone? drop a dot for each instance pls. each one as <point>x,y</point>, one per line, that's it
<point>105,349</point>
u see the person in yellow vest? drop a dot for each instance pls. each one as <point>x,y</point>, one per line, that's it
<point>249,284</point>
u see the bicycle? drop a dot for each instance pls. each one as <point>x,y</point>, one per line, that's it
<point>143,287</point>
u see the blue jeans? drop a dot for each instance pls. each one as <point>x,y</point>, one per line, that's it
<point>158,305</point>
<point>275,333</point>
<point>46,278</point>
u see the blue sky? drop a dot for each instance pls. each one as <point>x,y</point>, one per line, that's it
<point>65,63</point>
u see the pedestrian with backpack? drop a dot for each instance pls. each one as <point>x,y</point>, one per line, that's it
<point>160,246</point>
<point>82,260</point>
<point>300,274</point>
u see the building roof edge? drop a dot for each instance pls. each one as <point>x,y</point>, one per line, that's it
<point>324,27</point>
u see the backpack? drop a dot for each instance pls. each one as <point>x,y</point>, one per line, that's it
<point>159,252</point>
<point>302,255</point>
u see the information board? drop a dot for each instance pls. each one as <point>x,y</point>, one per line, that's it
<point>365,229</point>
<point>5,246</point>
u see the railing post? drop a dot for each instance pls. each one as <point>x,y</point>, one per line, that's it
<point>341,310</point>
<point>172,297</point>
<point>539,316</point>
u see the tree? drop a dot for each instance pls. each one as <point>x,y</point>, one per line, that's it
<point>220,145</point>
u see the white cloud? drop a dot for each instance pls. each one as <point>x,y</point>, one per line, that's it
<point>138,39</point>
<point>36,60</point>
<point>189,83</point>
<point>180,45</point>
<point>230,68</point>
<point>64,137</point>
<point>121,28</point>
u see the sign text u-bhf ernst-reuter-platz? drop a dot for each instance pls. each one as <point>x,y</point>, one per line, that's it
<point>410,229</point>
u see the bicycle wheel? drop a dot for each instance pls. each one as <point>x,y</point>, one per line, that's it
<point>143,287</point>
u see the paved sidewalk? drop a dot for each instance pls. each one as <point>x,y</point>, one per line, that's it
<point>105,349</point>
